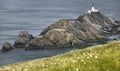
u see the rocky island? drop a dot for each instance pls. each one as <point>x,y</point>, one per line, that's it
<point>90,27</point>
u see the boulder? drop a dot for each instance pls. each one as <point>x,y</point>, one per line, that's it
<point>55,38</point>
<point>22,39</point>
<point>38,43</point>
<point>6,47</point>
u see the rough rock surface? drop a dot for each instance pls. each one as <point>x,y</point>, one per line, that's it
<point>118,30</point>
<point>76,31</point>
<point>22,39</point>
<point>6,47</point>
<point>55,38</point>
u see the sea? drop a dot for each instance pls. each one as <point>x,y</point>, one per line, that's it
<point>35,15</point>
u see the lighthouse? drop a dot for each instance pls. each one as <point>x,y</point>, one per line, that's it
<point>92,10</point>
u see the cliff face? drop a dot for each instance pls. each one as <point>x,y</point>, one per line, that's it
<point>78,31</point>
<point>99,22</point>
<point>96,22</point>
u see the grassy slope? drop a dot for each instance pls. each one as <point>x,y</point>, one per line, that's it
<point>97,58</point>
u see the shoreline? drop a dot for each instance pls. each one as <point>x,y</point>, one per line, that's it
<point>19,54</point>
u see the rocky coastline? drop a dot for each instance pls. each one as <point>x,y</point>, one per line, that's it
<point>88,28</point>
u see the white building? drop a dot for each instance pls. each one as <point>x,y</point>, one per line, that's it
<point>92,10</point>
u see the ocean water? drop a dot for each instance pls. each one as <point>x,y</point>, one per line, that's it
<point>35,15</point>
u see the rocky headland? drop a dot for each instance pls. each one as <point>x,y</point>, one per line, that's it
<point>90,27</point>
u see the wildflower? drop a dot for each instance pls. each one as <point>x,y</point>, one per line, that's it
<point>43,65</point>
<point>77,69</point>
<point>46,65</point>
<point>59,63</point>
<point>96,57</point>
<point>82,60</point>
<point>55,63</point>
<point>78,57</point>
<point>73,61</point>
<point>83,53</point>
<point>13,69</point>
<point>91,55</point>
<point>88,57</point>
<point>25,69</point>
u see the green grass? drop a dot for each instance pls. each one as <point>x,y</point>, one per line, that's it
<point>97,58</point>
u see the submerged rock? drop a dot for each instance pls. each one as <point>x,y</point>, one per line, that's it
<point>6,47</point>
<point>22,39</point>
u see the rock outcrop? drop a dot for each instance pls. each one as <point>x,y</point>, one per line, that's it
<point>118,30</point>
<point>55,38</point>
<point>84,29</point>
<point>6,47</point>
<point>90,27</point>
<point>101,23</point>
<point>22,39</point>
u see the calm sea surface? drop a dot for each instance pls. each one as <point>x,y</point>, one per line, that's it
<point>35,15</point>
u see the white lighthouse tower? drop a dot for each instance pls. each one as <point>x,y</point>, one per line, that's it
<point>92,10</point>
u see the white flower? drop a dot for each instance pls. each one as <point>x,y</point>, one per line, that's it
<point>96,57</point>
<point>82,60</point>
<point>88,57</point>
<point>13,69</point>
<point>83,53</point>
<point>25,69</point>
<point>91,55</point>
<point>84,63</point>
<point>77,69</point>
<point>46,65</point>
<point>73,61</point>
<point>78,57</point>
<point>43,65</point>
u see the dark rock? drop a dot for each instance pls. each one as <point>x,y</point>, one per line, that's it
<point>6,47</point>
<point>22,39</point>
<point>28,47</point>
<point>118,30</point>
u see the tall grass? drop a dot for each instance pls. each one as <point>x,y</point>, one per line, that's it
<point>97,58</point>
